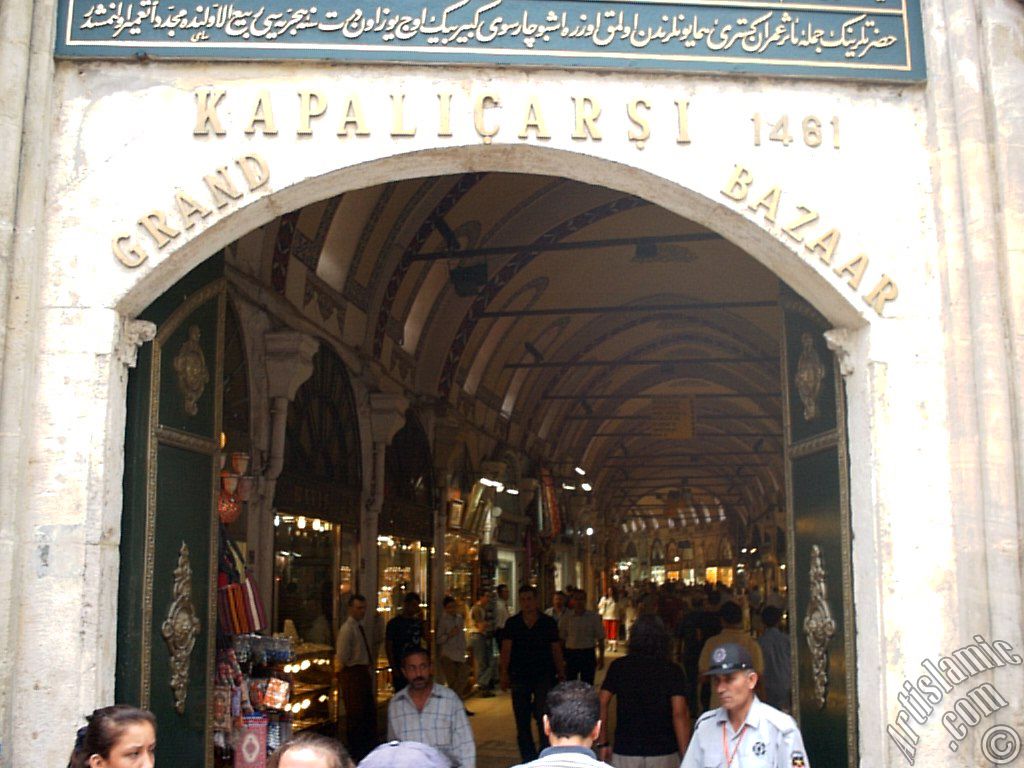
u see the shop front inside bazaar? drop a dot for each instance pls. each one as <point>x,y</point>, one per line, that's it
<point>282,331</point>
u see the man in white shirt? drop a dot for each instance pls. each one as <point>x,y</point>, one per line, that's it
<point>558,606</point>
<point>451,646</point>
<point>429,713</point>
<point>501,611</point>
<point>355,664</point>
<point>581,632</point>
<point>480,636</point>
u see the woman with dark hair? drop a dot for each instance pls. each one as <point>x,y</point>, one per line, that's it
<point>653,724</point>
<point>116,737</point>
<point>310,750</point>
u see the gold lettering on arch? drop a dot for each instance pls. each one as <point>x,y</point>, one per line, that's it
<point>824,245</point>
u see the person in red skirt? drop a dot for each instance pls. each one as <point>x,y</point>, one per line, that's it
<point>608,610</point>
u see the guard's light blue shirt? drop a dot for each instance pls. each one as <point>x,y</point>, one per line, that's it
<point>767,738</point>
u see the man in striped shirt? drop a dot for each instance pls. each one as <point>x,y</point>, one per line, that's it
<point>429,713</point>
<point>572,724</point>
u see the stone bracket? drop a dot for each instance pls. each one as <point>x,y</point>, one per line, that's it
<point>133,334</point>
<point>289,362</point>
<point>840,341</point>
<point>387,415</point>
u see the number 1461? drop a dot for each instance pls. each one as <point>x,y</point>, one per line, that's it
<point>811,129</point>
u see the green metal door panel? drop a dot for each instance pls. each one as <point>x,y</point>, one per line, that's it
<point>186,389</point>
<point>812,385</point>
<point>128,678</point>
<point>172,300</point>
<point>820,577</point>
<point>167,574</point>
<point>184,502</point>
<point>822,692</point>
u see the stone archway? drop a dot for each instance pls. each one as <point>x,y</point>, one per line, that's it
<point>699,198</point>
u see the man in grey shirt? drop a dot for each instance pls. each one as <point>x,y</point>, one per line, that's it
<point>581,631</point>
<point>775,649</point>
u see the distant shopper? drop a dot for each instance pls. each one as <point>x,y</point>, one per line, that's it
<point>630,612</point>
<point>608,608</point>
<point>571,724</point>
<point>356,657</point>
<point>310,750</point>
<point>531,660</point>
<point>481,632</point>
<point>430,714</point>
<point>559,605</point>
<point>406,630</point>
<point>451,646</point>
<point>653,722</point>
<point>581,632</point>
<point>744,731</point>
<point>775,649</point>
<point>732,632</point>
<point>501,611</point>
<point>116,737</point>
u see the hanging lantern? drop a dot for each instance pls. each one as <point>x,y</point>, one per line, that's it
<point>228,508</point>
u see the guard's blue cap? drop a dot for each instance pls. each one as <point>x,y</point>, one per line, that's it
<point>405,754</point>
<point>729,657</point>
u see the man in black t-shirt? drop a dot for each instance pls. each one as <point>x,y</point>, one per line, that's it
<point>531,660</point>
<point>406,630</point>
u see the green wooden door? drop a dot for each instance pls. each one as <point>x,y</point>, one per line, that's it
<point>820,576</point>
<point>166,609</point>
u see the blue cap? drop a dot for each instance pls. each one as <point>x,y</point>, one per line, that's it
<point>729,657</point>
<point>405,754</point>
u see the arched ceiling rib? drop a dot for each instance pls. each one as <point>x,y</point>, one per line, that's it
<point>584,287</point>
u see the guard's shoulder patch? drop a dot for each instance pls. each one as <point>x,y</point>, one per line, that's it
<point>780,720</point>
<point>707,717</point>
<point>796,760</point>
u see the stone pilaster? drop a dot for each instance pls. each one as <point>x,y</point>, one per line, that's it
<point>387,416</point>
<point>289,362</point>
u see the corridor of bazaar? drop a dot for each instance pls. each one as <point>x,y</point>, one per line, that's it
<point>440,385</point>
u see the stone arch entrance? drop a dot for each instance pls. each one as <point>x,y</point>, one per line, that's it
<point>657,563</point>
<point>700,199</point>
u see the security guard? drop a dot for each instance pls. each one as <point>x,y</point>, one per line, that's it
<point>744,732</point>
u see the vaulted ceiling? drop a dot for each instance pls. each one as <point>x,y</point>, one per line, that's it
<point>561,317</point>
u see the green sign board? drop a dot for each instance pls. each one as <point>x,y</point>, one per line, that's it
<point>852,39</point>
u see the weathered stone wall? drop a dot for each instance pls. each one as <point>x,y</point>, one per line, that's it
<point>926,182</point>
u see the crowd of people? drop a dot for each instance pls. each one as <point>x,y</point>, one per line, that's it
<point>694,681</point>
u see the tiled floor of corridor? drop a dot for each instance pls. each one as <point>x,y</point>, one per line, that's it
<point>495,728</point>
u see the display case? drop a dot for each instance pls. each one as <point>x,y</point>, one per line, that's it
<point>313,699</point>
<point>312,581</point>
<point>404,567</point>
<point>461,564</point>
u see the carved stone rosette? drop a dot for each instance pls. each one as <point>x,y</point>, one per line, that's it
<point>810,372</point>
<point>181,628</point>
<point>192,373</point>
<point>819,626</point>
